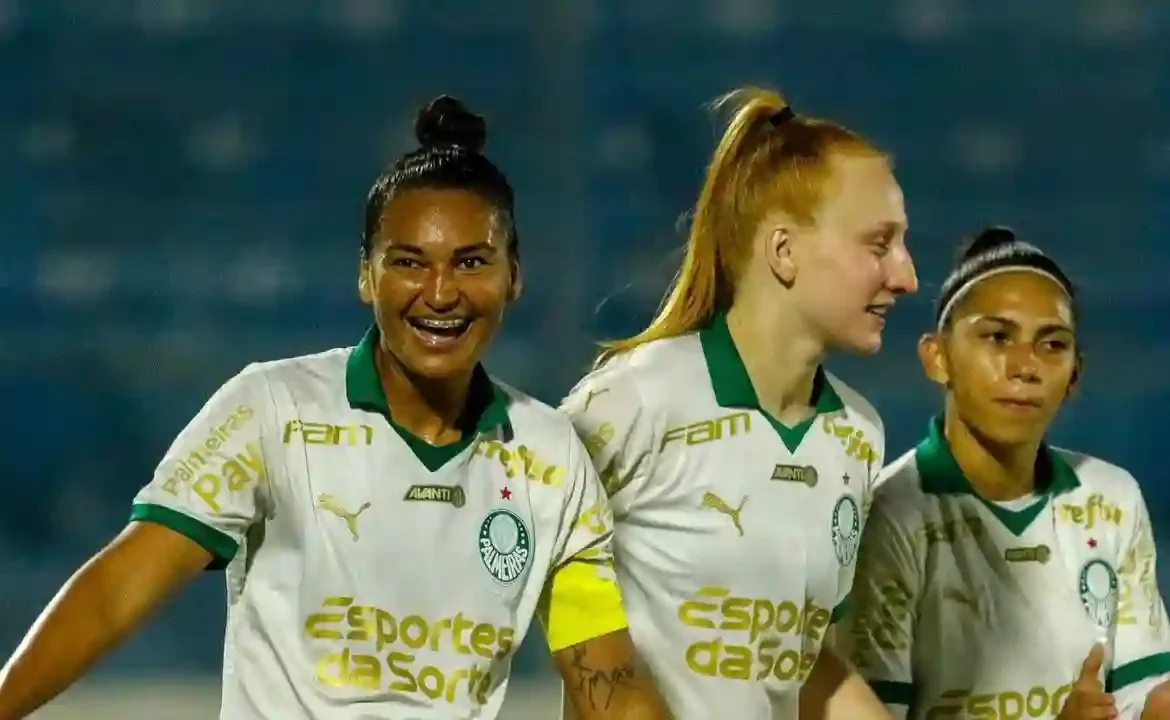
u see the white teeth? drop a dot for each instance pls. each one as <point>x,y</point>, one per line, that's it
<point>441,324</point>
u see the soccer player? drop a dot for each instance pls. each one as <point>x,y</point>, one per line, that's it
<point>739,470</point>
<point>390,517</point>
<point>1000,577</point>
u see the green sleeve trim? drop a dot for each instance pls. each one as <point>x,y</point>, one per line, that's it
<point>222,547</point>
<point>841,610</point>
<point>892,692</point>
<point>1138,670</point>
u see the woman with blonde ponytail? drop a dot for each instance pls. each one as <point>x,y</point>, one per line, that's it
<point>739,470</point>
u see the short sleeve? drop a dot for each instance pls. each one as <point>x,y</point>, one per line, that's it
<point>210,484</point>
<point>880,630</point>
<point>581,599</point>
<point>1142,643</point>
<point>620,430</point>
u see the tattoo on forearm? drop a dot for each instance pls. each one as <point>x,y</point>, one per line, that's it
<point>598,687</point>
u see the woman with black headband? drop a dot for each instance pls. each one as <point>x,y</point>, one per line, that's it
<point>739,470</point>
<point>1001,577</point>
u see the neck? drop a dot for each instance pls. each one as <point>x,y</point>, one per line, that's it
<point>995,471</point>
<point>780,359</point>
<point>425,407</point>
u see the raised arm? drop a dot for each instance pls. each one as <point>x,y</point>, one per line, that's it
<point>99,606</point>
<point>194,514</point>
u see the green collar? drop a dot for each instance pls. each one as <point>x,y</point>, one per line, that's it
<point>729,377</point>
<point>487,402</point>
<point>733,388</point>
<point>940,473</point>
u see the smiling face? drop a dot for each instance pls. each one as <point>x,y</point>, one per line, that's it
<point>852,265</point>
<point>439,276</point>
<point>1009,358</point>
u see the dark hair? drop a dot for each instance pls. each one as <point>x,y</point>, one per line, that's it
<point>995,248</point>
<point>451,140</point>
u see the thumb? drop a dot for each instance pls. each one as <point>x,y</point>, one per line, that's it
<point>1091,668</point>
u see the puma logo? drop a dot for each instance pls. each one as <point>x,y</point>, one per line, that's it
<point>969,601</point>
<point>716,503</point>
<point>592,394</point>
<point>332,505</point>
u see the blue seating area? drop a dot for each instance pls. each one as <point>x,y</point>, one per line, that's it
<point>181,187</point>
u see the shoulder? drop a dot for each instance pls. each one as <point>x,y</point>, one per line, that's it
<point>644,381</point>
<point>259,384</point>
<point>1097,475</point>
<point>545,433</point>
<point>302,373</point>
<point>898,496</point>
<point>534,421</point>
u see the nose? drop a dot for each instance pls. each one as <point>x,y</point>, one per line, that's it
<point>1022,363</point>
<point>441,289</point>
<point>902,278</point>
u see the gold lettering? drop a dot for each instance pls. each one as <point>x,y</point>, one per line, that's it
<point>760,619</point>
<point>597,440</point>
<point>1094,509</point>
<point>948,531</point>
<point>716,657</point>
<point>483,636</point>
<point>406,682</point>
<point>852,439</point>
<point>706,431</point>
<point>207,488</point>
<point>343,620</point>
<point>315,433</point>
<point>521,462</point>
<point>1032,702</point>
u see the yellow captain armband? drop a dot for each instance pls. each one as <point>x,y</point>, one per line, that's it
<point>581,601</point>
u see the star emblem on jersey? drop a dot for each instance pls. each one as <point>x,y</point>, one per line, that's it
<point>506,494</point>
<point>1092,542</point>
<point>846,529</point>
<point>1098,588</point>
<point>332,505</point>
<point>505,546</point>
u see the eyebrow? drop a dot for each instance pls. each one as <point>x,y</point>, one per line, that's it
<point>1045,329</point>
<point>884,228</point>
<point>482,246</point>
<point>465,250</point>
<point>408,249</point>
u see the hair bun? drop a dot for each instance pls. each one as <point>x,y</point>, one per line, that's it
<point>446,122</point>
<point>987,240</point>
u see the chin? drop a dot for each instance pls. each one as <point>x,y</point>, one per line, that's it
<point>868,344</point>
<point>1007,434</point>
<point>438,367</point>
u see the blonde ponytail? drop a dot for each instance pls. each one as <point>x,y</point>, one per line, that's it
<point>703,284</point>
<point>769,159</point>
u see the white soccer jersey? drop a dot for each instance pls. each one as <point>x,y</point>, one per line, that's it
<point>735,536</point>
<point>372,575</point>
<point>972,609</point>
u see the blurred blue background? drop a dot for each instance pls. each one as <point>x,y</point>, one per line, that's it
<point>181,186</point>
